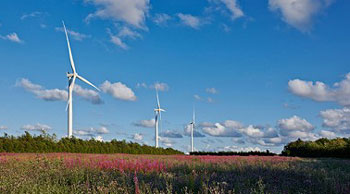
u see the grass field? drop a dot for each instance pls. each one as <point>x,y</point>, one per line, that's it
<point>122,173</point>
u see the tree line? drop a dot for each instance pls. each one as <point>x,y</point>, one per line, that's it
<point>250,153</point>
<point>48,143</point>
<point>339,148</point>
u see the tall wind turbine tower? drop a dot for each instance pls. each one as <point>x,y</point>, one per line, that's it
<point>192,128</point>
<point>158,117</point>
<point>71,81</point>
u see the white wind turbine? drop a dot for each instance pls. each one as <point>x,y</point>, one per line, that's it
<point>192,129</point>
<point>158,111</point>
<point>71,81</point>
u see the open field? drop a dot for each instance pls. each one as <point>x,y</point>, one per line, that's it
<point>122,173</point>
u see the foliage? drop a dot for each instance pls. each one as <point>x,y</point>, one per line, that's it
<point>339,148</point>
<point>46,144</point>
<point>124,173</point>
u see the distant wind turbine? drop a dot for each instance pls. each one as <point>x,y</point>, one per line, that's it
<point>158,117</point>
<point>192,128</point>
<point>71,81</point>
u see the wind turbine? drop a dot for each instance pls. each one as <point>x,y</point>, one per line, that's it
<point>71,81</point>
<point>192,128</point>
<point>158,116</point>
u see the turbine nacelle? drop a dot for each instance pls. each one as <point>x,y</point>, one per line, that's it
<point>70,75</point>
<point>159,110</point>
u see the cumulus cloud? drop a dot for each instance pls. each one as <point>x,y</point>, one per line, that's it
<point>232,6</point>
<point>41,93</point>
<point>170,134</point>
<point>3,127</point>
<point>299,13</point>
<point>161,19</point>
<point>296,127</point>
<point>196,133</point>
<point>75,35</point>
<point>57,94</point>
<point>36,127</point>
<point>146,123</point>
<point>337,119</point>
<point>190,20</point>
<point>221,129</point>
<point>118,90</point>
<point>92,131</point>
<point>166,141</point>
<point>131,12</point>
<point>13,37</point>
<point>137,137</point>
<point>295,123</point>
<point>87,94</point>
<point>327,134</point>
<point>238,149</point>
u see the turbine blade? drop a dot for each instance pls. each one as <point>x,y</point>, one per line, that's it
<point>69,49</point>
<point>158,104</point>
<point>194,115</point>
<point>86,81</point>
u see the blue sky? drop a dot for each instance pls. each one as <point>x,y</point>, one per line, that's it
<point>259,74</point>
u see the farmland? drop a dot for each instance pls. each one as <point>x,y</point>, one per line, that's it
<point>124,173</point>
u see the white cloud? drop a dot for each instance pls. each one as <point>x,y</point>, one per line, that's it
<point>118,90</point>
<point>170,134</point>
<point>131,12</point>
<point>296,127</point>
<point>196,133</point>
<point>146,123</point>
<point>41,93</point>
<point>99,138</point>
<point>141,85</point>
<point>87,94</point>
<point>328,134</point>
<point>295,123</point>
<point>337,119</point>
<point>166,141</point>
<point>117,41</point>
<point>12,37</point>
<point>92,131</point>
<point>57,94</point>
<point>75,35</point>
<point>190,20</point>
<point>36,127</point>
<point>160,86</point>
<point>33,14</point>
<point>299,13</point>
<point>231,6</point>
<point>161,19</point>
<point>238,149</point>
<point>126,32</point>
<point>319,91</point>
<point>3,127</point>
<point>220,130</point>
<point>137,137</point>
<point>199,98</point>
<point>211,90</point>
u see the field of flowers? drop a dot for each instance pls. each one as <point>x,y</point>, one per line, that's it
<point>122,173</point>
